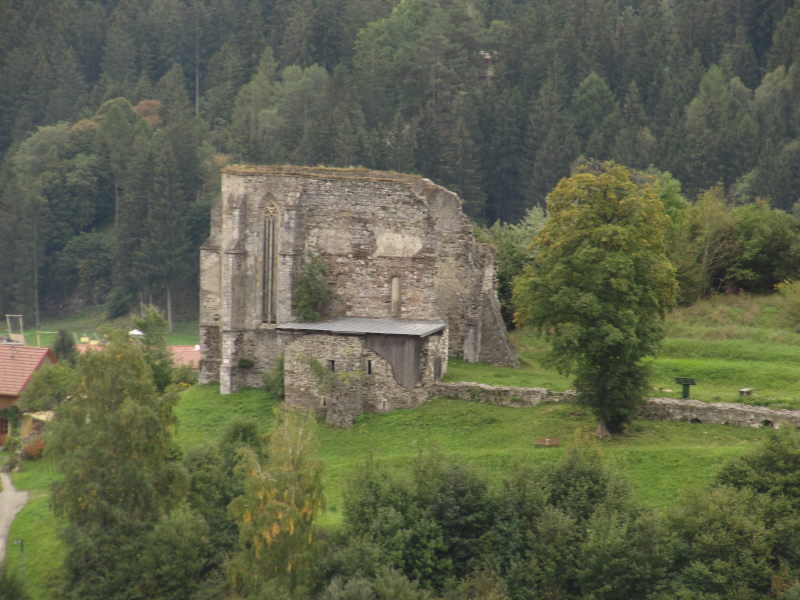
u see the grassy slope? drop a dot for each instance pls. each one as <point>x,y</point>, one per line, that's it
<point>661,460</point>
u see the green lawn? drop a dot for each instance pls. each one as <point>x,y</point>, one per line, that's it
<point>88,322</point>
<point>660,460</point>
<point>38,558</point>
<point>725,343</point>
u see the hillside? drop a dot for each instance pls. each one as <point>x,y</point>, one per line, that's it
<point>115,118</point>
<point>726,342</point>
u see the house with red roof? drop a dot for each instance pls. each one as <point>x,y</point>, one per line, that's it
<point>17,365</point>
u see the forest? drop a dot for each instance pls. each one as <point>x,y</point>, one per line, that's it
<point>116,115</point>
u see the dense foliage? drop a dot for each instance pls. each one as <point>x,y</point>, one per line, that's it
<point>599,287</point>
<point>111,112</point>
<point>235,518</point>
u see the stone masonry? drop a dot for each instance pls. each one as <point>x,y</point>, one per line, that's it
<point>395,246</point>
<point>657,409</point>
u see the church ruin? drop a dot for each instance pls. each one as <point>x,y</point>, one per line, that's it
<point>411,287</point>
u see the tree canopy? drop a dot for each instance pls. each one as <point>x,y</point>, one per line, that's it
<point>599,286</point>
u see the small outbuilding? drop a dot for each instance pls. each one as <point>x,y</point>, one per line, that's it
<point>351,365</point>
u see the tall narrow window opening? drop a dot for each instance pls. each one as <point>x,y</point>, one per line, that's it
<point>269,280</point>
<point>396,309</point>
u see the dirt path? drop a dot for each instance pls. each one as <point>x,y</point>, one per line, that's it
<point>11,502</point>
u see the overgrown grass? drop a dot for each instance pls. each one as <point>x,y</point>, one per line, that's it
<point>661,460</point>
<point>203,414</point>
<point>725,342</point>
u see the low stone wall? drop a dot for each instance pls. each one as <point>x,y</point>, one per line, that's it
<point>658,409</point>
<point>500,395</point>
<point>724,413</point>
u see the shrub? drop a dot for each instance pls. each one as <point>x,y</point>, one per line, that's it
<point>312,298</point>
<point>184,374</point>
<point>11,446</point>
<point>64,347</point>
<point>33,449</point>
<point>273,380</point>
<point>49,386</point>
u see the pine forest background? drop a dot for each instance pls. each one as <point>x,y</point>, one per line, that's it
<point>116,115</point>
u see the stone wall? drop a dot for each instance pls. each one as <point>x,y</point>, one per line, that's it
<point>724,413</point>
<point>500,395</point>
<point>369,228</point>
<point>361,380</point>
<point>659,409</point>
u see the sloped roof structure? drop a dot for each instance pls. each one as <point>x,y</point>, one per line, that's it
<point>356,326</point>
<point>17,365</point>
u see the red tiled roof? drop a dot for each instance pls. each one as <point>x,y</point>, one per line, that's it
<point>181,355</point>
<point>17,364</point>
<point>82,348</point>
<point>185,355</point>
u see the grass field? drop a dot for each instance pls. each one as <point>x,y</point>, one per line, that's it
<point>38,558</point>
<point>660,460</point>
<point>87,324</point>
<point>725,343</point>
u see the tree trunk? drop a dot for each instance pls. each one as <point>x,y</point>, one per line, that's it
<point>602,430</point>
<point>116,207</point>
<point>169,309</point>
<point>36,267</point>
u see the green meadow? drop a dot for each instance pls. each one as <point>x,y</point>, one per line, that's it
<point>660,460</point>
<point>725,343</point>
<point>88,324</point>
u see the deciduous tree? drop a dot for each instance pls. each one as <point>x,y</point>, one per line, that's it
<point>276,513</point>
<point>113,447</point>
<point>599,287</point>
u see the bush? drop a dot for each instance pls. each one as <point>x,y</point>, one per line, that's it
<point>49,387</point>
<point>33,449</point>
<point>273,380</point>
<point>312,298</point>
<point>64,347</point>
<point>184,374</point>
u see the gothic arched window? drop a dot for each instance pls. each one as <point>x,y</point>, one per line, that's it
<point>269,281</point>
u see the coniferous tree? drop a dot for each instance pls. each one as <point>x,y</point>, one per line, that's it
<point>163,256</point>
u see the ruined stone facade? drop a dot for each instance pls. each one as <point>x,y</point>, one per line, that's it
<point>396,247</point>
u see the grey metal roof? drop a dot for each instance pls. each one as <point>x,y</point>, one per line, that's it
<point>362,326</point>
